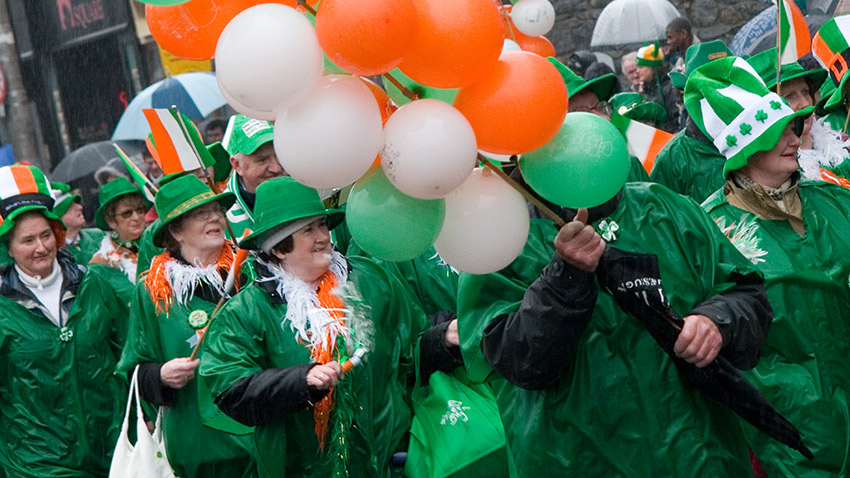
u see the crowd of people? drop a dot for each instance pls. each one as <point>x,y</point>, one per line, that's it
<point>307,358</point>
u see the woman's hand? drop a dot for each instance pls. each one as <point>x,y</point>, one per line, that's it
<point>452,338</point>
<point>176,373</point>
<point>699,342</point>
<point>324,377</point>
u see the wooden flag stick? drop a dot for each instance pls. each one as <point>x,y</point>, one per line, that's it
<point>552,215</point>
<point>778,46</point>
<point>130,164</point>
<point>404,90</point>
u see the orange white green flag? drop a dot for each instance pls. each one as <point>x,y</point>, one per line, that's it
<point>178,142</point>
<point>643,141</point>
<point>795,40</point>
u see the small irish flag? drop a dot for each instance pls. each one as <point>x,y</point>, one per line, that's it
<point>643,141</point>
<point>795,40</point>
<point>179,148</point>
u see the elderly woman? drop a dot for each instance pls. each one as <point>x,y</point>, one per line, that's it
<point>60,402</point>
<point>797,233</point>
<point>122,214</point>
<point>274,355</point>
<point>173,302</point>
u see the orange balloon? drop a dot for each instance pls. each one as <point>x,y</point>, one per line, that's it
<point>456,42</point>
<point>540,45</point>
<point>191,30</point>
<point>366,37</point>
<point>385,104</point>
<point>518,107</point>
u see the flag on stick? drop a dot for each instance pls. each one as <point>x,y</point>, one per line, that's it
<point>138,176</point>
<point>795,40</point>
<point>178,152</point>
<point>643,141</point>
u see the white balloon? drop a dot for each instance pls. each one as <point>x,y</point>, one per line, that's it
<point>533,17</point>
<point>249,112</point>
<point>486,225</point>
<point>510,45</point>
<point>330,139</point>
<point>268,58</point>
<point>429,149</point>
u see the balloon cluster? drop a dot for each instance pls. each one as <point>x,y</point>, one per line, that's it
<point>478,77</point>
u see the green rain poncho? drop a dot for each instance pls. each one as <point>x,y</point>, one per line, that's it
<point>193,449</point>
<point>804,369</point>
<point>618,407</point>
<point>86,245</point>
<point>241,344</point>
<point>61,403</point>
<point>689,166</point>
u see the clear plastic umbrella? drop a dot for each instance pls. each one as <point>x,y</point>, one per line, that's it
<point>631,23</point>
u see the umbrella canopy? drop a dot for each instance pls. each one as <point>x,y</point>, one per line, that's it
<point>194,94</point>
<point>634,281</point>
<point>86,160</point>
<point>759,33</point>
<point>631,23</point>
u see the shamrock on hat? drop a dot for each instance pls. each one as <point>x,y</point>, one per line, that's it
<point>731,104</point>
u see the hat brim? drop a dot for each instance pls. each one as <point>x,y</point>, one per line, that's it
<point>835,101</point>
<point>678,79</point>
<point>647,111</point>
<point>255,241</point>
<point>816,77</point>
<point>766,141</point>
<point>602,86</point>
<point>225,200</point>
<point>9,221</point>
<point>61,208</point>
<point>100,219</point>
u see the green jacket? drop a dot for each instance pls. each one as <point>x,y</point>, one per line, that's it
<point>241,344</point>
<point>804,369</point>
<point>87,244</point>
<point>194,450</point>
<point>61,403</point>
<point>619,407</point>
<point>147,251</point>
<point>689,166</point>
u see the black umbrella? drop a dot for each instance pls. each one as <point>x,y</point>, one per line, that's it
<point>635,283</point>
<point>85,160</point>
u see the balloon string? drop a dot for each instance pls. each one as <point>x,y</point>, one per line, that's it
<point>549,213</point>
<point>404,90</point>
<point>508,21</point>
<point>303,4</point>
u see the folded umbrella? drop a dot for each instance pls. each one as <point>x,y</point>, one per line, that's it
<point>634,281</point>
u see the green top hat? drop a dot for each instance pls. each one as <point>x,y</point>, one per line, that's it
<point>635,107</point>
<point>281,202</point>
<point>765,65</point>
<point>650,55</point>
<point>831,48</point>
<point>63,198</point>
<point>180,196</point>
<point>731,104</point>
<point>697,55</point>
<point>245,135</point>
<point>22,189</point>
<point>602,86</point>
<point>111,192</point>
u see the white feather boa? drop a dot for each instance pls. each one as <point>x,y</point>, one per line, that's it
<point>830,148</point>
<point>185,278</point>
<point>310,322</point>
<point>124,262</point>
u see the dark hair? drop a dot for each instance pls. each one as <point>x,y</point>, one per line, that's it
<point>215,123</point>
<point>596,70</point>
<point>285,246</point>
<point>580,60</point>
<point>109,212</point>
<point>168,242</point>
<point>679,24</point>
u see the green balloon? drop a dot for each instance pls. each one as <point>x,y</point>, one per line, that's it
<point>163,3</point>
<point>387,223</point>
<point>584,165</point>
<point>442,94</point>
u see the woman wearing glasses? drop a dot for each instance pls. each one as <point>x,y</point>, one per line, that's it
<point>174,301</point>
<point>797,233</point>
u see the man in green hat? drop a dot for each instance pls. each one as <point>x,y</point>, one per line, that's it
<point>655,85</point>
<point>80,241</point>
<point>122,215</point>
<point>797,233</point>
<point>61,403</point>
<point>591,96</point>
<point>689,164</point>
<point>250,145</point>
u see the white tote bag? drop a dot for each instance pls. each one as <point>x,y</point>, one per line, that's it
<point>145,459</point>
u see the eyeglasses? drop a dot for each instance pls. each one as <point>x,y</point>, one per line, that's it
<point>205,213</point>
<point>128,213</point>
